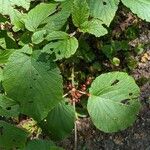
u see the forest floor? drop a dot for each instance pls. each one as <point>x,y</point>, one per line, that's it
<point>128,41</point>
<point>136,137</point>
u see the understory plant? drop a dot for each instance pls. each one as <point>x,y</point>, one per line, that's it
<point>34,38</point>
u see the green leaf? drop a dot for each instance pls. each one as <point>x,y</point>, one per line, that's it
<point>8,8</point>
<point>17,20</point>
<point>103,9</point>
<point>67,5</point>
<point>6,40</point>
<point>57,35</point>
<point>35,84</point>
<point>139,7</point>
<point>25,38</point>
<point>80,13</point>
<point>80,17</point>
<point>7,5</point>
<point>8,107</point>
<point>38,36</point>
<point>4,55</point>
<point>113,104</point>
<point>1,74</point>
<point>85,52</point>
<point>58,19</point>
<point>111,49</point>
<point>3,19</point>
<point>60,120</point>
<point>64,47</point>
<point>38,14</point>
<point>11,136</point>
<point>41,145</point>
<point>27,49</point>
<point>93,26</point>
<point>115,61</point>
<point>60,0</point>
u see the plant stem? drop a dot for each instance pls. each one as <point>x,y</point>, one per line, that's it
<point>74,106</point>
<point>85,93</point>
<point>72,34</point>
<point>66,94</point>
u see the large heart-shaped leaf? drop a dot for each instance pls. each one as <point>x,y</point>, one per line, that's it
<point>11,137</point>
<point>113,104</point>
<point>35,84</point>
<point>139,7</point>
